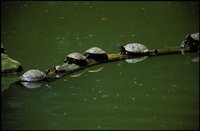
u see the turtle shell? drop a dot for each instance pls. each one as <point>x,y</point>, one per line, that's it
<point>136,48</point>
<point>195,36</point>
<point>95,50</point>
<point>32,75</point>
<point>76,55</point>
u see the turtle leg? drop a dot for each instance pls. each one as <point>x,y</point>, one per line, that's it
<point>182,46</point>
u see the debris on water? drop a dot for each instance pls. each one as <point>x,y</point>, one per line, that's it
<point>115,107</point>
<point>73,94</point>
<point>119,64</point>
<point>100,91</point>
<point>135,82</point>
<point>105,95</point>
<point>173,85</point>
<point>98,80</point>
<point>99,126</point>
<point>94,98</point>
<point>64,113</point>
<point>133,99</point>
<point>62,17</point>
<point>104,18</point>
<point>132,35</point>
<point>154,117</point>
<point>147,94</point>
<point>90,35</point>
<point>164,97</point>
<point>65,80</point>
<point>140,84</point>
<point>71,87</point>
<point>117,94</point>
<point>85,99</point>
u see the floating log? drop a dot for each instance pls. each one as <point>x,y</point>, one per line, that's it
<point>71,68</point>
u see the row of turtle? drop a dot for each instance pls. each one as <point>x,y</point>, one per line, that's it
<point>99,55</point>
<point>95,53</point>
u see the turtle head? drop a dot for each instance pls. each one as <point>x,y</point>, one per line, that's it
<point>66,60</point>
<point>86,54</point>
<point>122,49</point>
<point>47,71</point>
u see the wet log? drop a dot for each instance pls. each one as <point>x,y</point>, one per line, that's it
<point>69,69</point>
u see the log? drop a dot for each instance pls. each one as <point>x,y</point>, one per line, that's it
<point>69,68</point>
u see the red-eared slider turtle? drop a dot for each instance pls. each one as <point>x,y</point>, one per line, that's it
<point>136,49</point>
<point>193,41</point>
<point>76,58</point>
<point>33,75</point>
<point>97,54</point>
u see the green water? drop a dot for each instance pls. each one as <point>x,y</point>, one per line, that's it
<point>157,93</point>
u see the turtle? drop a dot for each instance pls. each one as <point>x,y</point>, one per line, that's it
<point>192,40</point>
<point>136,50</point>
<point>76,58</point>
<point>33,75</point>
<point>96,54</point>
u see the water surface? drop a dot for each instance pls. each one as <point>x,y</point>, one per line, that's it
<point>157,93</point>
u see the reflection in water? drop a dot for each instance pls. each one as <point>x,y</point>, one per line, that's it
<point>77,74</point>
<point>135,60</point>
<point>96,70</point>
<point>32,85</point>
<point>196,59</point>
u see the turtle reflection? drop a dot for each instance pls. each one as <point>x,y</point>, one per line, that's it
<point>135,60</point>
<point>33,85</point>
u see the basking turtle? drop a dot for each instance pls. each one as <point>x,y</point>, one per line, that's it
<point>193,41</point>
<point>97,54</point>
<point>33,75</point>
<point>136,49</point>
<point>76,58</point>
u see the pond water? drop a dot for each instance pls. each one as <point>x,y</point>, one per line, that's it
<point>157,93</point>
